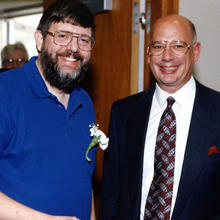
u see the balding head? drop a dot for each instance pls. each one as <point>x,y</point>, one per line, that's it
<point>188,26</point>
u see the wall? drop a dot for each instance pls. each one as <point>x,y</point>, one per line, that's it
<point>205,15</point>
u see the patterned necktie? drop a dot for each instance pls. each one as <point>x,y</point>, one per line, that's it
<point>158,204</point>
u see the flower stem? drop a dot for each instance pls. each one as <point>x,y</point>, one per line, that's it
<point>94,142</point>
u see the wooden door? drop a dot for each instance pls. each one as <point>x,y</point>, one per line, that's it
<point>114,68</point>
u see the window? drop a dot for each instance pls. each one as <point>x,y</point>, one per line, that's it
<point>20,26</point>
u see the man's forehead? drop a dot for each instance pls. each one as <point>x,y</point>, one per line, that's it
<point>67,26</point>
<point>16,52</point>
<point>174,23</point>
<point>170,28</point>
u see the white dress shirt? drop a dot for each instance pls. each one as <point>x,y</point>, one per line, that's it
<point>184,100</point>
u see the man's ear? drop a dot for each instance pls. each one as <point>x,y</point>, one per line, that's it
<point>39,40</point>
<point>196,51</point>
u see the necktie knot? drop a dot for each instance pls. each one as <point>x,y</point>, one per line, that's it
<point>170,101</point>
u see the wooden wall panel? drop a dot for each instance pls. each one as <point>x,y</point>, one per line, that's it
<point>46,3</point>
<point>111,59</point>
<point>111,68</point>
<point>162,8</point>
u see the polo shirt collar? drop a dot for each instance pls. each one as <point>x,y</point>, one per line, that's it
<point>35,80</point>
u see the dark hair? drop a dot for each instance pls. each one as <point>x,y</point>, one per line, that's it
<point>70,11</point>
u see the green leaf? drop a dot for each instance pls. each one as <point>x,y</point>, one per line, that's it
<point>93,143</point>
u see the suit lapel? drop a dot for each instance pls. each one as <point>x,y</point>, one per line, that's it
<point>136,133</point>
<point>199,140</point>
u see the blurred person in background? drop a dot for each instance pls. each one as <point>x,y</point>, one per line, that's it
<point>13,56</point>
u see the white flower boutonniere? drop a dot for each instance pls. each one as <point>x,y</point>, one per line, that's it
<point>98,138</point>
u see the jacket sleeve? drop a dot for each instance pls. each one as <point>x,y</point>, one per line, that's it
<point>109,203</point>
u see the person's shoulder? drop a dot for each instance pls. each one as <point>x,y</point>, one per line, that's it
<point>207,92</point>
<point>208,98</point>
<point>11,83</point>
<point>132,101</point>
<point>11,77</point>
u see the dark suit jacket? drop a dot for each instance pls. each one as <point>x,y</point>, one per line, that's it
<point>199,187</point>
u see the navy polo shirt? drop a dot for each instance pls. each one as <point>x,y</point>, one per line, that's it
<point>43,145</point>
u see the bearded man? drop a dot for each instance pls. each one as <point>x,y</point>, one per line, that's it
<point>44,122</point>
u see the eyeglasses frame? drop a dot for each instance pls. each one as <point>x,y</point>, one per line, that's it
<point>11,60</point>
<point>188,46</point>
<point>77,36</point>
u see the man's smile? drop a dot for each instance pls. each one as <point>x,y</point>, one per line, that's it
<point>168,69</point>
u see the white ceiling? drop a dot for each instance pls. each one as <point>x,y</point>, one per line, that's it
<point>6,5</point>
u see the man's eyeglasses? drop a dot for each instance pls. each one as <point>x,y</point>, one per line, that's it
<point>63,38</point>
<point>178,47</point>
<point>18,60</point>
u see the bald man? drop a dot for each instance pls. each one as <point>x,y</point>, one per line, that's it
<point>163,160</point>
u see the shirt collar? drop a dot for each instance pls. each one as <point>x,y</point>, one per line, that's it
<point>35,80</point>
<point>183,97</point>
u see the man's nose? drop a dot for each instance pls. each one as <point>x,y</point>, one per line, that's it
<point>73,44</point>
<point>19,64</point>
<point>167,53</point>
<point>15,65</point>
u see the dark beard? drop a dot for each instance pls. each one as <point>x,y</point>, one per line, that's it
<point>58,79</point>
